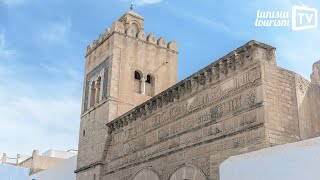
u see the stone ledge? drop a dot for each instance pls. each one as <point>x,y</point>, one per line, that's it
<point>88,166</point>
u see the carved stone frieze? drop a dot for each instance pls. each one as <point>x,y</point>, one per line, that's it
<point>206,98</point>
<point>216,109</point>
<point>206,116</point>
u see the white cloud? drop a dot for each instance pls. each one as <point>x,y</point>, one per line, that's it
<point>39,112</point>
<point>56,32</point>
<point>4,50</point>
<point>36,117</point>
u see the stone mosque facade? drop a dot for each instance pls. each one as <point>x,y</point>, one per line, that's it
<point>138,123</point>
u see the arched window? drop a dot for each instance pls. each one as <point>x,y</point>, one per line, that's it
<point>137,81</point>
<point>148,174</point>
<point>98,90</point>
<point>149,85</point>
<point>189,172</point>
<point>149,79</point>
<point>137,75</point>
<point>93,94</point>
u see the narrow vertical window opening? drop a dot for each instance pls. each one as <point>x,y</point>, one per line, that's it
<point>93,94</point>
<point>137,75</point>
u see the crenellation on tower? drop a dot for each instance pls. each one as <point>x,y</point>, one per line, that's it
<point>133,30</point>
<point>173,45</point>
<point>162,42</point>
<point>142,35</point>
<point>151,38</point>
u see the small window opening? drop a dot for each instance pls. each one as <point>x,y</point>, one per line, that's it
<point>149,86</point>
<point>83,133</point>
<point>93,94</point>
<point>149,79</point>
<point>98,90</point>
<point>137,75</point>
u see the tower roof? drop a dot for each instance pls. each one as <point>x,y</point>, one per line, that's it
<point>131,17</point>
<point>131,13</point>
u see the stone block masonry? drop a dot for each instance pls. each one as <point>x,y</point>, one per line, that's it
<point>145,126</point>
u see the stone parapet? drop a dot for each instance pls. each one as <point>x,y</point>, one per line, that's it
<point>135,33</point>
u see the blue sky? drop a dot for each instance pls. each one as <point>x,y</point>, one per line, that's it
<point>43,43</point>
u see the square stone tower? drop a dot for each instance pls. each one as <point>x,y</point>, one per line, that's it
<point>123,69</point>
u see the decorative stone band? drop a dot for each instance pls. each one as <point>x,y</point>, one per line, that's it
<point>213,73</point>
<point>239,138</point>
<point>97,163</point>
<point>118,28</point>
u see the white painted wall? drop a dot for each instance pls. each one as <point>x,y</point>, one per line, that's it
<point>59,154</point>
<point>8,172</point>
<point>296,161</point>
<point>63,171</point>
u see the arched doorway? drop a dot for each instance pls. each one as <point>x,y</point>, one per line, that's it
<point>146,174</point>
<point>188,173</point>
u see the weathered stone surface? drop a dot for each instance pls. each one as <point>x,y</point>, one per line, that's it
<point>188,172</point>
<point>315,76</point>
<point>146,174</point>
<point>241,102</point>
<point>110,87</point>
<point>214,114</point>
<point>308,97</point>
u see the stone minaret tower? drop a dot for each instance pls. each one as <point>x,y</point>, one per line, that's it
<point>124,68</point>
